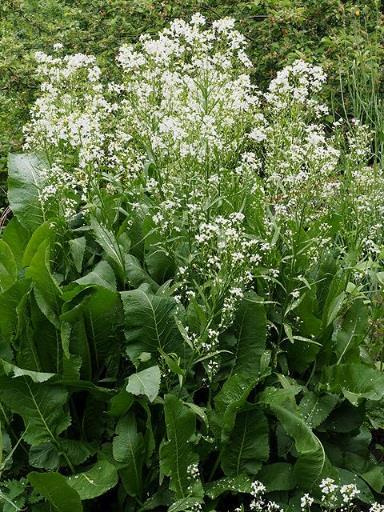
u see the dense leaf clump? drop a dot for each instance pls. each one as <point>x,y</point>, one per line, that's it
<point>344,36</point>
<point>190,288</point>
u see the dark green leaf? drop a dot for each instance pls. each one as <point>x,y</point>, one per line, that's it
<point>8,267</point>
<point>176,454</point>
<point>355,381</point>
<point>128,447</point>
<point>149,323</point>
<point>251,328</point>
<point>55,489</point>
<point>40,406</point>
<point>248,444</point>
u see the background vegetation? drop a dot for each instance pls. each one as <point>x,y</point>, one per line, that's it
<point>344,37</point>
<point>191,291</point>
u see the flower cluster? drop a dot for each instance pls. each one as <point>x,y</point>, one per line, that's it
<point>332,495</point>
<point>68,123</point>
<point>259,502</point>
<point>232,182</point>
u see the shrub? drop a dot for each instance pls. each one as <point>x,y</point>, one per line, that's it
<point>336,34</point>
<point>189,287</point>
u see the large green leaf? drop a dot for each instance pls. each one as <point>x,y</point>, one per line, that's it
<point>112,249</point>
<point>315,408</point>
<point>350,333</point>
<point>55,489</point>
<point>185,504</point>
<point>10,301</point>
<point>15,371</point>
<point>251,330</point>
<point>46,290</point>
<point>77,248</point>
<point>92,327</point>
<point>230,400</point>
<point>146,382</point>
<point>248,444</point>
<point>39,404</point>
<point>42,233</point>
<point>128,447</point>
<point>94,482</point>
<point>277,477</point>
<point>240,483</point>
<point>24,184</point>
<point>8,267</point>
<point>149,323</point>
<point>136,274</point>
<point>102,275</point>
<point>176,454</point>
<point>355,381</point>
<point>311,456</point>
<point>49,455</point>
<point>16,236</point>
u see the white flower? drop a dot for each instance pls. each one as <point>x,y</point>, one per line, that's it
<point>376,507</point>
<point>306,501</point>
<point>349,492</point>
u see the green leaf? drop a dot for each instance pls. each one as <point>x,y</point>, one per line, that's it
<point>40,406</point>
<point>44,456</point>
<point>136,274</point>
<point>16,236</point>
<point>96,481</point>
<point>121,403</point>
<point>15,371</point>
<point>8,267</point>
<point>316,408</point>
<point>24,184</point>
<point>49,455</point>
<point>176,454</point>
<point>355,382</point>
<point>351,332</point>
<point>108,241</point>
<point>77,248</point>
<point>239,483</point>
<point>347,477</point>
<point>185,504</point>
<point>146,382</point>
<point>47,291</point>
<point>10,301</point>
<point>128,447</point>
<point>248,445</point>
<point>251,329</point>
<point>230,399</point>
<point>149,323</point>
<point>40,235</point>
<point>311,456</point>
<point>55,489</point>
<point>277,477</point>
<point>334,308</point>
<point>102,275</point>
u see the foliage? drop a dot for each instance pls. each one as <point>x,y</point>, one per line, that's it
<point>188,311</point>
<point>343,36</point>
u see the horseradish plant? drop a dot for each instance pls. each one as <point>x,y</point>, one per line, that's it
<point>190,288</point>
